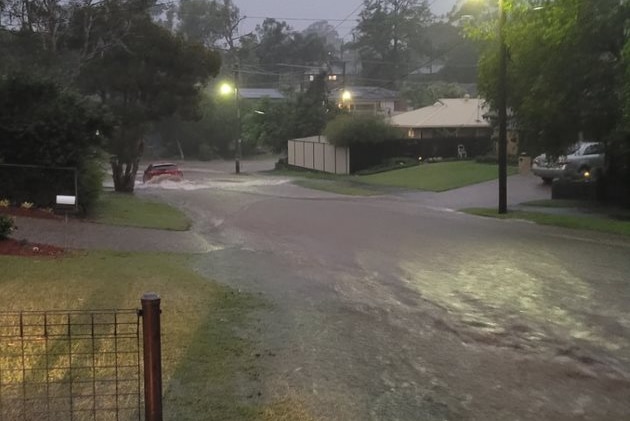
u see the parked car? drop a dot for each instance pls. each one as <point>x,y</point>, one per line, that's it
<point>162,170</point>
<point>583,160</point>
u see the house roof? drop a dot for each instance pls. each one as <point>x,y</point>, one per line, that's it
<point>259,93</point>
<point>446,112</point>
<point>366,93</point>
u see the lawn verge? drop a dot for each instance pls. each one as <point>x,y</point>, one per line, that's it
<point>436,177</point>
<point>130,210</point>
<point>583,222</point>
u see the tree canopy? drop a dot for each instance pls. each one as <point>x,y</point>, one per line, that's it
<point>566,69</point>
<point>390,37</point>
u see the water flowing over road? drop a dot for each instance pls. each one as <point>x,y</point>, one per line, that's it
<point>398,308</point>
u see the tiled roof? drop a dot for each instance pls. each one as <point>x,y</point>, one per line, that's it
<point>447,112</point>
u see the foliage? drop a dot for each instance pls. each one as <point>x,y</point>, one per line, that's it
<point>274,127</point>
<point>152,75</point>
<point>46,125</point>
<point>43,124</point>
<point>390,37</point>
<point>346,130</point>
<point>626,84</point>
<point>211,23</point>
<point>420,95</point>
<point>7,226</point>
<point>565,69</point>
<point>306,114</point>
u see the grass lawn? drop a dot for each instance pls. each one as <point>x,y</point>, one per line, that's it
<point>587,222</point>
<point>203,355</point>
<point>433,177</point>
<point>438,176</point>
<point>345,187</point>
<point>130,210</point>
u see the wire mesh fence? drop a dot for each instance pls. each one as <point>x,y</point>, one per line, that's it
<point>70,365</point>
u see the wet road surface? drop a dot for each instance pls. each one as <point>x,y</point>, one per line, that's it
<point>391,308</point>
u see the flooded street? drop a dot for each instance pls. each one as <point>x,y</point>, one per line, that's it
<point>385,309</point>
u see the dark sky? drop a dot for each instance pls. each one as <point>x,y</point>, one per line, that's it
<point>301,13</point>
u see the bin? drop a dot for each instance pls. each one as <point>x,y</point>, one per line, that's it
<point>524,164</point>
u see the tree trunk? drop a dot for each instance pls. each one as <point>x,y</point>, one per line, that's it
<point>124,174</point>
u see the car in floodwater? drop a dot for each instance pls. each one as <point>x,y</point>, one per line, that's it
<point>162,170</point>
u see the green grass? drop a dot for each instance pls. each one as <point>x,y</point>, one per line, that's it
<point>205,353</point>
<point>437,177</point>
<point>560,203</point>
<point>587,222</point>
<point>433,177</point>
<point>130,210</point>
<point>345,187</point>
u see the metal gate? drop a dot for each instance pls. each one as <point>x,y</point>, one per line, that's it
<point>79,365</point>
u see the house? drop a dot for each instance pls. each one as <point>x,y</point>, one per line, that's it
<point>260,93</point>
<point>369,100</point>
<point>451,117</point>
<point>453,120</point>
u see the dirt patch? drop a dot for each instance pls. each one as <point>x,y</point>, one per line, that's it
<point>13,247</point>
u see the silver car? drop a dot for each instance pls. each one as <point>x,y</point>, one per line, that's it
<point>583,161</point>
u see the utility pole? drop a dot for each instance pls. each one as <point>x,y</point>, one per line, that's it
<point>502,103</point>
<point>237,146</point>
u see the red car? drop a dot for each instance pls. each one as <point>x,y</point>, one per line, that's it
<point>162,170</point>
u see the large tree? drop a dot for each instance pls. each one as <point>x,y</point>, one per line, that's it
<point>148,75</point>
<point>390,37</point>
<point>565,69</point>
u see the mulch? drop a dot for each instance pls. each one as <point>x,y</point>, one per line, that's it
<point>12,247</point>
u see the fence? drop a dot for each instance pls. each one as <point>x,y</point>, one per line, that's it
<point>81,365</point>
<point>317,154</point>
<point>37,184</point>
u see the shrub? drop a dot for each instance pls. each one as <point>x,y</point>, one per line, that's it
<point>7,226</point>
<point>91,176</point>
<point>346,130</point>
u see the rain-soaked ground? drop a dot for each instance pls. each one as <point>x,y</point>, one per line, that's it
<point>386,309</point>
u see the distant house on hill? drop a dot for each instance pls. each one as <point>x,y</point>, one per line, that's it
<point>260,93</point>
<point>369,100</point>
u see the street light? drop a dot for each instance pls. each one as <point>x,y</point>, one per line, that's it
<point>226,89</point>
<point>502,104</point>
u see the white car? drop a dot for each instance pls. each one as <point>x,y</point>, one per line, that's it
<point>584,160</point>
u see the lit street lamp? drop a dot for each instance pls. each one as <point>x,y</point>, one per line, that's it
<point>227,89</point>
